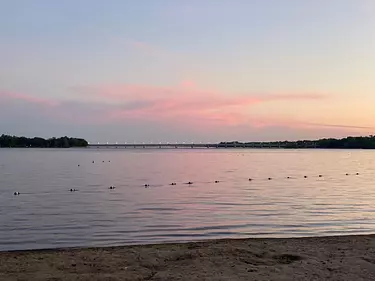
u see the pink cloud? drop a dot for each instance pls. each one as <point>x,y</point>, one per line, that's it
<point>179,109</point>
<point>186,102</point>
<point>186,90</point>
<point>184,105</point>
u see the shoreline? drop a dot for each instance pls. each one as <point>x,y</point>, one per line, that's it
<point>349,257</point>
<point>176,243</point>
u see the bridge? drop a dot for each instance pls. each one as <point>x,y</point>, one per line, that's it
<point>184,145</point>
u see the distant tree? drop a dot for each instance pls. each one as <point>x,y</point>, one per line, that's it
<point>345,143</point>
<point>13,141</point>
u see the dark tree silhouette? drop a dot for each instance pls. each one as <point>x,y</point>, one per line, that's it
<point>345,143</point>
<point>63,142</point>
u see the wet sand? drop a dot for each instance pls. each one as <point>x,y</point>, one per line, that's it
<point>322,258</point>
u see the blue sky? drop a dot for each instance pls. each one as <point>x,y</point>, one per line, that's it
<point>187,70</point>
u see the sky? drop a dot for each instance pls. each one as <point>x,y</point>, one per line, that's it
<point>187,70</point>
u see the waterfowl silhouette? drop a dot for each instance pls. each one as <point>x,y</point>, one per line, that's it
<point>173,183</point>
<point>320,176</point>
<point>250,179</point>
<point>147,185</point>
<point>190,182</point>
<point>216,181</point>
<point>305,177</point>
<point>269,179</point>
<point>112,187</point>
<point>16,193</point>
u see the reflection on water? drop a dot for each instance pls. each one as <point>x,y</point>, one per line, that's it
<point>46,214</point>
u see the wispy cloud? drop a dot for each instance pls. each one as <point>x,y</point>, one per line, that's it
<point>28,98</point>
<point>184,105</point>
<point>339,126</point>
<point>187,90</point>
<point>185,99</point>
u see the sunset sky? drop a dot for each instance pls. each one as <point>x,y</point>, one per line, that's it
<point>197,70</point>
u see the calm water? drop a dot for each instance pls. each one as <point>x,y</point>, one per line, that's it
<point>48,215</point>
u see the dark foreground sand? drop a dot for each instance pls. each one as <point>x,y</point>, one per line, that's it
<point>324,258</point>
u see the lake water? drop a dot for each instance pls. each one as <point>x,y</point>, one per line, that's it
<point>47,215</point>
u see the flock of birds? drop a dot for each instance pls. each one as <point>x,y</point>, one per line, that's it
<point>146,185</point>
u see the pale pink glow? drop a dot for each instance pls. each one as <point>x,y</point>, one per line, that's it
<point>203,108</point>
<point>186,90</point>
<point>28,98</point>
<point>187,103</point>
<point>193,117</point>
<point>182,105</point>
<point>294,97</point>
<point>188,84</point>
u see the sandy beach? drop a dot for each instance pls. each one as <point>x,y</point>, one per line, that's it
<point>322,258</point>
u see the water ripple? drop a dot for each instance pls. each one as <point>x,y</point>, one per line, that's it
<point>46,214</point>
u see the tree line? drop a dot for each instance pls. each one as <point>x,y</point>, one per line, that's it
<point>63,142</point>
<point>367,142</point>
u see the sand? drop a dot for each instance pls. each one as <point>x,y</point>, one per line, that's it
<point>323,258</point>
